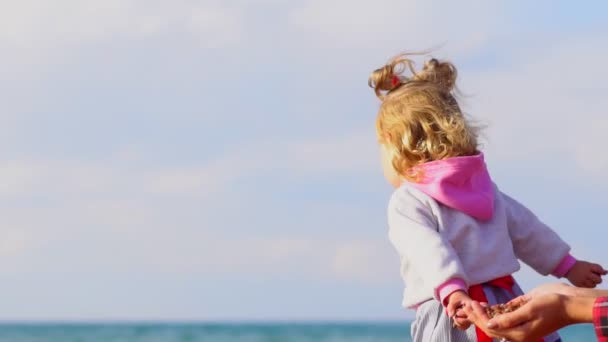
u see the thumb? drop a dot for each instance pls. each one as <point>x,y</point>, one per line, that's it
<point>450,310</point>
<point>598,269</point>
<point>452,307</point>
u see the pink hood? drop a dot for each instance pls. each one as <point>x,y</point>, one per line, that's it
<point>462,183</point>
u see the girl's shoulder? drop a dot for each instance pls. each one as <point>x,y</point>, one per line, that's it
<point>407,196</point>
<point>411,204</point>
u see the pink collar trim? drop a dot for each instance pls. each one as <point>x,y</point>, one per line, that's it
<point>461,183</point>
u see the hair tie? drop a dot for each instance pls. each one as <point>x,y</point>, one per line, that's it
<point>395,81</point>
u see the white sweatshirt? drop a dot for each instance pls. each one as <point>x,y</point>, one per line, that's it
<point>438,244</point>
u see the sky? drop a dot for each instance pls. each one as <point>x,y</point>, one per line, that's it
<point>217,160</point>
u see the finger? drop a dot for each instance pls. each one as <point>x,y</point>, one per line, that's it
<point>452,307</point>
<point>596,279</point>
<point>519,301</point>
<point>589,283</point>
<point>519,333</point>
<point>460,314</point>
<point>585,283</point>
<point>595,268</point>
<point>462,322</point>
<point>509,320</point>
<point>455,307</point>
<point>476,313</point>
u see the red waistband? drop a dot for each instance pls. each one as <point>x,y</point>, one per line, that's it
<point>476,291</point>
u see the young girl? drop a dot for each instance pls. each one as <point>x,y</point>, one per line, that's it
<point>458,236</point>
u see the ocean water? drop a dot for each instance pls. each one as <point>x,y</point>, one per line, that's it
<point>228,332</point>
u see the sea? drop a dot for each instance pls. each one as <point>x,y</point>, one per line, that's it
<point>227,332</point>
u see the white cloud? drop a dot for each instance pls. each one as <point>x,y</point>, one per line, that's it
<point>38,23</point>
<point>113,202</point>
<point>547,106</point>
<point>17,177</point>
<point>202,180</point>
<point>41,22</point>
<point>392,25</point>
<point>591,156</point>
<point>216,26</point>
<point>14,241</point>
<point>369,261</point>
<point>372,262</point>
<point>163,235</point>
<point>348,154</point>
<point>26,177</point>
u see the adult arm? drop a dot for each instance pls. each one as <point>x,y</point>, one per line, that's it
<point>537,317</point>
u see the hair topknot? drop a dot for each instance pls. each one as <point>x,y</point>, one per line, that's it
<point>390,77</point>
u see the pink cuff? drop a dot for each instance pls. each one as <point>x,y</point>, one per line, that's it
<point>446,289</point>
<point>564,266</point>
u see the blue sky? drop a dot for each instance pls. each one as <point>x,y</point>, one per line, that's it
<point>211,160</point>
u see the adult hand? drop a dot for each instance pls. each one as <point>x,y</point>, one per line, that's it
<point>537,317</point>
<point>559,288</point>
<point>567,290</point>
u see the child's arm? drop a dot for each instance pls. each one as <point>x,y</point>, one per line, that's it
<point>540,247</point>
<point>413,231</point>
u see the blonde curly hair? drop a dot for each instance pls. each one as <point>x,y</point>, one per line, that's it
<point>419,119</point>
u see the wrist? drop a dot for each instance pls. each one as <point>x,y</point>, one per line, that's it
<point>447,289</point>
<point>564,267</point>
<point>585,292</point>
<point>599,293</point>
<point>578,309</point>
<point>569,274</point>
<point>457,296</point>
